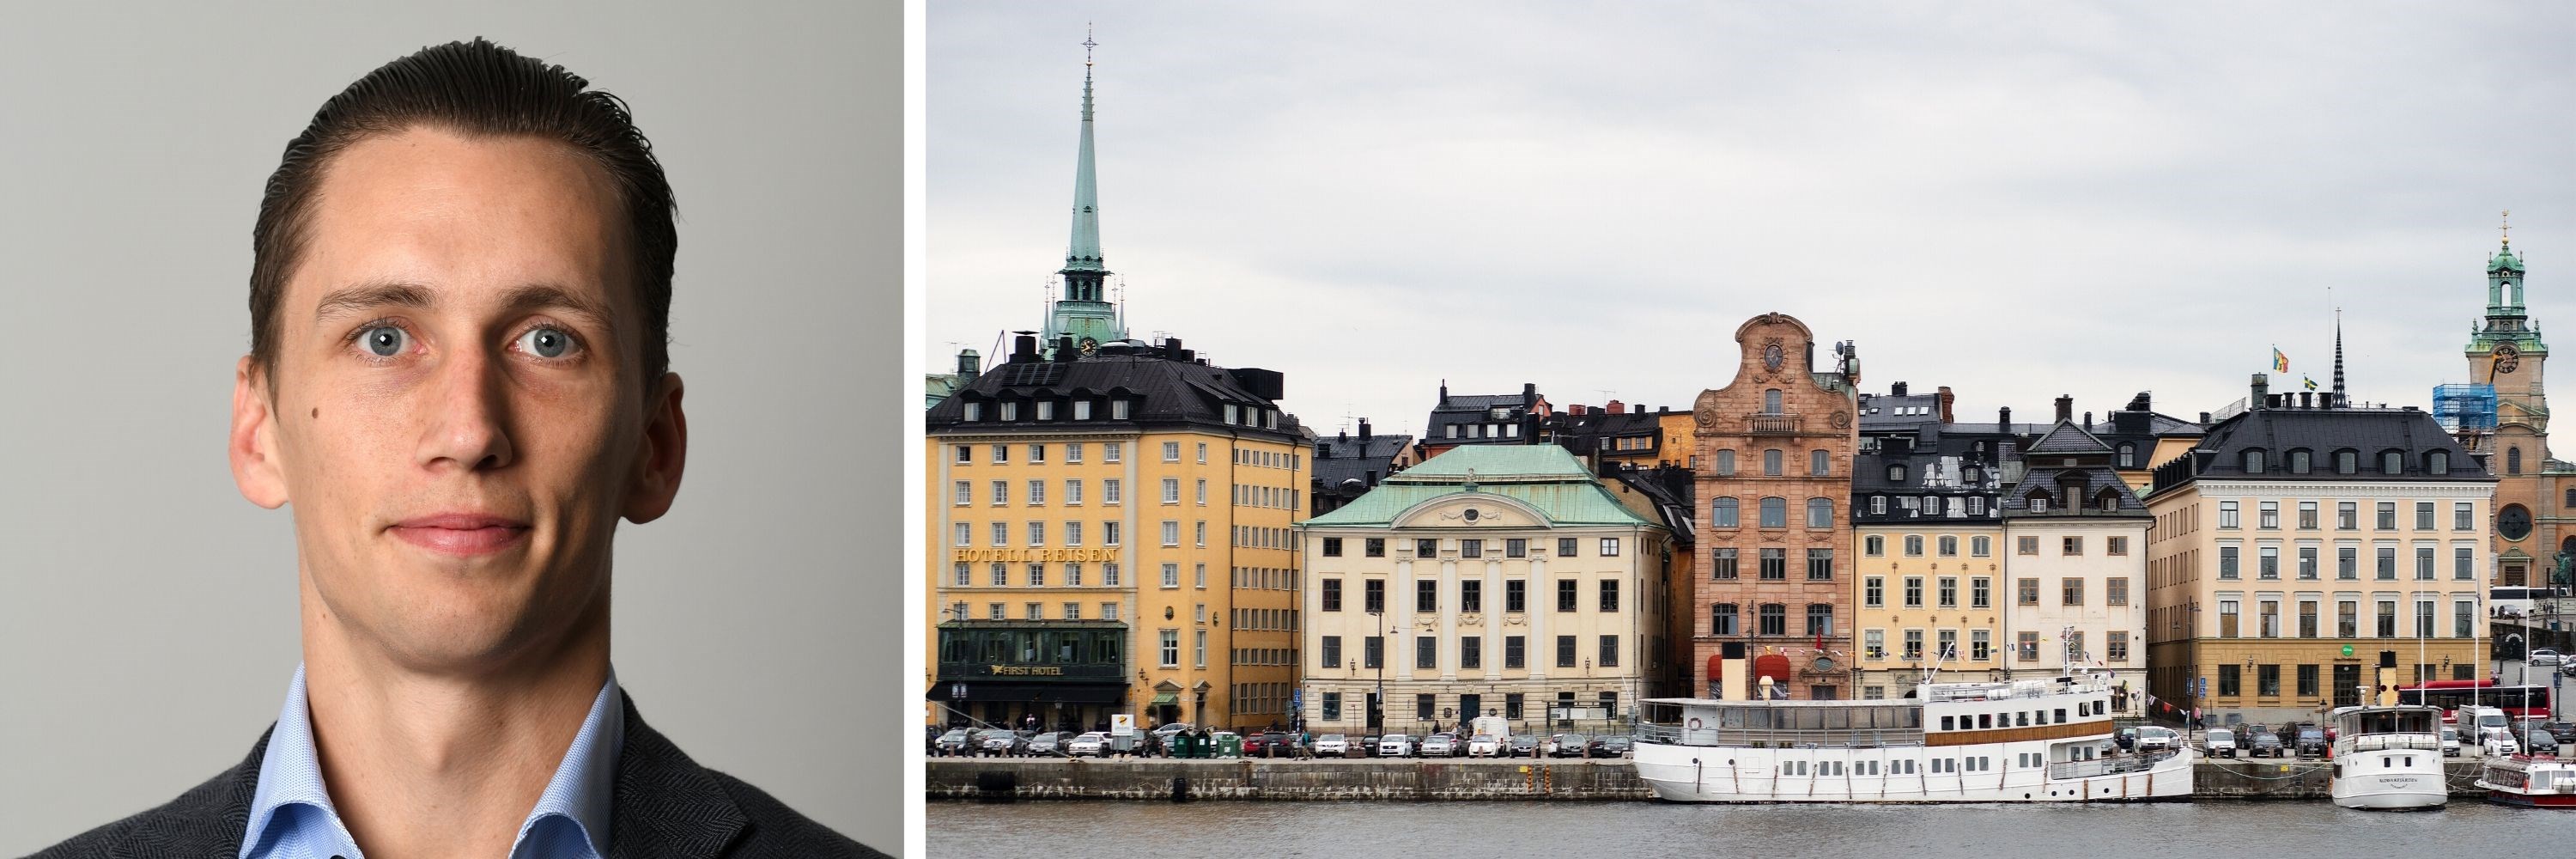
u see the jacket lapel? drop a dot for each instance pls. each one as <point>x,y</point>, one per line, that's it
<point>666,805</point>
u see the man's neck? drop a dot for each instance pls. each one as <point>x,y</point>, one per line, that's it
<point>444,764</point>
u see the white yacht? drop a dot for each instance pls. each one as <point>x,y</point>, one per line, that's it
<point>2388,758</point>
<point>2020,741</point>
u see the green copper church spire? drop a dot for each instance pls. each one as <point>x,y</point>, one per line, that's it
<point>2507,321</point>
<point>1084,313</point>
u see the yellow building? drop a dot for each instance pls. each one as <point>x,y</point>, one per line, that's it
<point>1111,533</point>
<point>2300,542</point>
<point>1929,582</point>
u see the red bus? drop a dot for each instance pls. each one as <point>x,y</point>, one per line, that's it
<point>2517,702</point>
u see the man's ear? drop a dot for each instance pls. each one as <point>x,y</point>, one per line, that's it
<point>253,442</point>
<point>662,456</point>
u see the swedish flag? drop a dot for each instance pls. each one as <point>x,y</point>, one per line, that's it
<point>2311,383</point>
<point>2280,362</point>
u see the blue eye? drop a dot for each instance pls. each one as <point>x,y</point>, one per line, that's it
<point>546,342</point>
<point>384,341</point>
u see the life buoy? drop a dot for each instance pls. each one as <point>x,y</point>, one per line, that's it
<point>1694,723</point>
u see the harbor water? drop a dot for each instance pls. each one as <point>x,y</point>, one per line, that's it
<point>1650,830</point>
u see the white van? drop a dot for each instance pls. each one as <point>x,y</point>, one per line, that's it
<point>2474,719</point>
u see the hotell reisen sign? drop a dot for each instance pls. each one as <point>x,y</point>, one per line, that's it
<point>1032,555</point>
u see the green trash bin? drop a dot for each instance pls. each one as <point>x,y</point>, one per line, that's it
<point>1184,745</point>
<point>1229,745</point>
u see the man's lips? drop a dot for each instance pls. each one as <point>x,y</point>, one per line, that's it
<point>462,533</point>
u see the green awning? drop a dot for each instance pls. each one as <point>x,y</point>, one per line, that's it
<point>1166,698</point>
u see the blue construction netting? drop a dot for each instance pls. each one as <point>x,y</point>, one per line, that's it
<point>2460,407</point>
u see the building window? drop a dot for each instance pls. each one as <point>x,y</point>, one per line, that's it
<point>1873,644</point>
<point>1981,547</point>
<point>1171,451</point>
<point>1609,547</point>
<point>2267,562</point>
<point>2268,515</point>
<point>1568,594</point>
<point>2253,461</point>
<point>2347,619</point>
<point>1819,464</point>
<point>1820,513</point>
<point>2115,591</point>
<point>2027,644</point>
<point>1609,652</point>
<point>1980,592</point>
<point>2437,462</point>
<point>1515,547</point>
<point>1726,463</point>
<point>2347,562</point>
<point>1332,595</point>
<point>1171,575</point>
<point>1565,547</point>
<point>2026,591</point>
<point>2464,518</point>
<point>1471,652</point>
<point>1878,505</point>
<point>1426,652</point>
<point>1110,491</point>
<point>1771,401</point>
<point>2387,515</point>
<point>1426,596</point>
<point>2424,516</point>
<point>1775,619</point>
<point>1771,463</point>
<point>2348,516</point>
<point>1873,545</point>
<point>1949,592</point>
<point>2026,545</point>
<point>2227,562</point>
<point>1171,648</point>
<point>1109,577</point>
<point>1775,564</point>
<point>1470,547</point>
<point>2388,618</point>
<point>1516,596</point>
<point>2230,680</point>
<point>1332,547</point>
<point>2387,568</point>
<point>2308,680</point>
<point>1914,545</point>
<point>2227,514</point>
<point>1913,591</point>
<point>1721,566</point>
<point>2073,592</point>
<point>1171,532</point>
<point>1949,546</point>
<point>1820,565</point>
<point>1471,596</point>
<point>2424,562</point>
<point>1374,547</point>
<point>2072,545</point>
<point>2307,619</point>
<point>1722,619</point>
<point>1198,575</point>
<point>1896,474</point>
<point>1980,644</point>
<point>1913,645</point>
<point>1610,595</point>
<point>2463,562</point>
<point>1565,651</point>
<point>1722,513</point>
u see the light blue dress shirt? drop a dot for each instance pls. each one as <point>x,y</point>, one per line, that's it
<point>291,816</point>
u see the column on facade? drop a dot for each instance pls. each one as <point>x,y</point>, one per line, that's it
<point>1537,651</point>
<point>1448,663</point>
<point>1492,611</point>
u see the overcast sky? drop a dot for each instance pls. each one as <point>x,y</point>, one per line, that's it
<point>2015,200</point>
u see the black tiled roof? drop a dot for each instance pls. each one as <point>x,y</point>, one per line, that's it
<point>2066,438</point>
<point>1340,458</point>
<point>2074,492</point>
<point>1164,393</point>
<point>2322,432</point>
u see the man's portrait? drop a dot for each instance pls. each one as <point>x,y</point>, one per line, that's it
<point>467,457</point>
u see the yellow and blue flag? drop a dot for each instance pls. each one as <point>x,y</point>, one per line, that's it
<point>2280,362</point>
<point>2311,383</point>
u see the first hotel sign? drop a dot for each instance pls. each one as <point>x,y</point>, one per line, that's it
<point>1032,555</point>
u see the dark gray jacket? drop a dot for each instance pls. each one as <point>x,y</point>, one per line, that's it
<point>666,805</point>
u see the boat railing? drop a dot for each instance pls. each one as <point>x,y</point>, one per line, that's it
<point>1778,737</point>
<point>2392,742</point>
<point>2109,766</point>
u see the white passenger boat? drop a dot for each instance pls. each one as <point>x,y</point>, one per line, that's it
<point>2388,758</point>
<point>2044,740</point>
<point>2528,781</point>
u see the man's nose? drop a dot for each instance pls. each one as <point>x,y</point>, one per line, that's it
<point>469,418</point>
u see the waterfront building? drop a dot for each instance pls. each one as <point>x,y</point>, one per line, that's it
<point>2535,500</point>
<point>1616,433</point>
<point>2141,437</point>
<point>1775,449</point>
<point>1347,467</point>
<point>1476,419</point>
<point>1928,575</point>
<point>2301,539</point>
<point>2075,535</point>
<point>1492,579</point>
<point>1110,523</point>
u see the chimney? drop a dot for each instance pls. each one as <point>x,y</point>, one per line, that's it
<point>2065,408</point>
<point>2088,420</point>
<point>1344,436</point>
<point>1024,347</point>
<point>1896,389</point>
<point>2204,418</point>
<point>2307,400</point>
<point>1575,409</point>
<point>2003,419</point>
<point>2262,386</point>
<point>1529,395</point>
<point>1364,430</point>
<point>1064,348</point>
<point>1947,398</point>
<point>1372,477</point>
<point>1444,392</point>
<point>1618,408</point>
<point>969,364</point>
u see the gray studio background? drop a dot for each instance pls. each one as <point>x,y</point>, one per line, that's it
<point>147,612</point>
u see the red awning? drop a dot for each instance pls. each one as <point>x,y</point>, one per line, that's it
<point>1716,667</point>
<point>1772,665</point>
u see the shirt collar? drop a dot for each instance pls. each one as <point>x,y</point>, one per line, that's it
<point>571,817</point>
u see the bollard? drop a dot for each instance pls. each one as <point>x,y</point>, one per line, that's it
<point>1180,788</point>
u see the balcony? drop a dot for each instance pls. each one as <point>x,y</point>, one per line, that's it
<point>1766,424</point>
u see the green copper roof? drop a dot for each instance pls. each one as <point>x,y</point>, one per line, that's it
<point>2504,260</point>
<point>1084,252</point>
<point>1545,477</point>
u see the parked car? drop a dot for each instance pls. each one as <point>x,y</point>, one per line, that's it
<point>2563,732</point>
<point>2450,742</point>
<point>1001,743</point>
<point>1523,746</point>
<point>2498,742</point>
<point>1395,746</point>
<point>1485,746</point>
<point>2311,743</point>
<point>2264,744</point>
<point>1269,744</point>
<point>2127,738</point>
<point>2542,657</point>
<point>2219,743</point>
<point>1440,745</point>
<point>1614,746</point>
<point>2536,741</point>
<point>954,742</point>
<point>1047,744</point>
<point>1334,746</point>
<point>1569,746</point>
<point>1093,744</point>
<point>2157,738</point>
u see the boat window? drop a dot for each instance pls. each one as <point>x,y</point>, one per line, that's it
<point>2021,719</point>
<point>2083,708</point>
<point>1730,717</point>
<point>1945,723</point>
<point>1985,720</point>
<point>1838,719</point>
<point>1811,719</point>
<point>2061,715</point>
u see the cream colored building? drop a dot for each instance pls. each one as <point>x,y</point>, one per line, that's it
<point>2299,542</point>
<point>1489,579</point>
<point>2076,535</point>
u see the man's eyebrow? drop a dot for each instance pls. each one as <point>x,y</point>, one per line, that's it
<point>353,300</point>
<point>532,297</point>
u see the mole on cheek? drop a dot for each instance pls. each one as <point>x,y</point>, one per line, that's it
<point>317,412</point>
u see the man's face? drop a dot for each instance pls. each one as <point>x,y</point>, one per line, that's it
<point>457,411</point>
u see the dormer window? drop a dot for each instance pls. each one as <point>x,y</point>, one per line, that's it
<point>1046,410</point>
<point>1010,411</point>
<point>1117,410</point>
<point>2347,462</point>
<point>2299,461</point>
<point>974,411</point>
<point>1499,414</point>
<point>2437,462</point>
<point>1082,410</point>
<point>1896,474</point>
<point>2253,461</point>
<point>2128,456</point>
<point>2392,462</point>
<point>1233,414</point>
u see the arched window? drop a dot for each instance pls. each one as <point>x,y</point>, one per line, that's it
<point>1771,463</point>
<point>2253,460</point>
<point>1818,464</point>
<point>1914,545</point>
<point>1820,513</point>
<point>1949,546</point>
<point>2392,462</point>
<point>1896,473</point>
<point>1771,401</point>
<point>2128,455</point>
<point>2513,460</point>
<point>2439,462</point>
<point>2299,461</point>
<point>1722,513</point>
<point>1726,462</point>
<point>1775,512</point>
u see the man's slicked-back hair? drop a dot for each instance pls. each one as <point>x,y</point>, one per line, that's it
<point>475,89</point>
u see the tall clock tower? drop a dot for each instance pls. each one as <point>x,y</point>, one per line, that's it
<point>2505,350</point>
